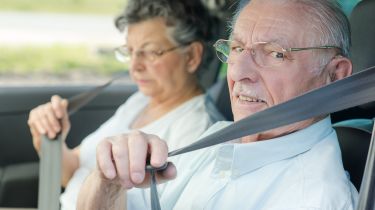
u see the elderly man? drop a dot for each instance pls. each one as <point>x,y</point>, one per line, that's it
<point>278,49</point>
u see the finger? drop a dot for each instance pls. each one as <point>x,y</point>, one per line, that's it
<point>137,156</point>
<point>34,124</point>
<point>30,121</point>
<point>42,122</point>
<point>104,159</point>
<point>158,150</point>
<point>168,174</point>
<point>52,118</point>
<point>34,131</point>
<point>58,107</point>
<point>65,119</point>
<point>121,158</point>
<point>61,108</point>
<point>40,128</point>
<point>36,138</point>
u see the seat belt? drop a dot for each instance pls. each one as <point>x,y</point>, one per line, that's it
<point>51,154</point>
<point>349,92</point>
<point>366,199</point>
<point>345,93</point>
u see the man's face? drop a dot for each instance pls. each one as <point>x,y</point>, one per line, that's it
<point>254,88</point>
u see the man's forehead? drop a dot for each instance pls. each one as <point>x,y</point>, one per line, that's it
<point>267,21</point>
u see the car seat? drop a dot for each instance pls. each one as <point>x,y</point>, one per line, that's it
<point>362,22</point>
<point>354,138</point>
<point>354,126</point>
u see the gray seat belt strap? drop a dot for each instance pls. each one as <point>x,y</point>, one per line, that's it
<point>352,91</point>
<point>367,190</point>
<point>49,174</point>
<point>51,154</point>
<point>349,92</point>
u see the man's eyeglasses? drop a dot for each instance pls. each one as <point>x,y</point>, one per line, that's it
<point>124,54</point>
<point>264,54</point>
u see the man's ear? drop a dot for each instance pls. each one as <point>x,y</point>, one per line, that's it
<point>340,67</point>
<point>194,56</point>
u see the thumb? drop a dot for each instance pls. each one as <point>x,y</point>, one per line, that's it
<point>167,174</point>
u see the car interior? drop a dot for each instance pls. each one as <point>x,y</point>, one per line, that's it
<point>19,167</point>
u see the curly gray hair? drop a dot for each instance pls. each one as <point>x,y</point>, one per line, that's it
<point>189,20</point>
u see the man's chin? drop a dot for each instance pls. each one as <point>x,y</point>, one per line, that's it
<point>241,114</point>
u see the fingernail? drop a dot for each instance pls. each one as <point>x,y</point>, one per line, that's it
<point>137,177</point>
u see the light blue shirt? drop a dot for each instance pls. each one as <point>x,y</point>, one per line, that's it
<point>302,170</point>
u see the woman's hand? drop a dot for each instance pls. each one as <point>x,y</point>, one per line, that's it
<point>49,119</point>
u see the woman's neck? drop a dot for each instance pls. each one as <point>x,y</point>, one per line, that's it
<point>168,103</point>
<point>157,107</point>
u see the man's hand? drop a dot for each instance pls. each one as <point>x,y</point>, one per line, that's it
<point>121,163</point>
<point>123,158</point>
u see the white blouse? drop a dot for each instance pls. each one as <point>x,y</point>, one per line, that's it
<point>179,127</point>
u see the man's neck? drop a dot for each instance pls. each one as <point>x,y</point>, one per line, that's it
<point>282,131</point>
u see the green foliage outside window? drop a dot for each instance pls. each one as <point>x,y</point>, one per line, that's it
<point>110,7</point>
<point>59,60</point>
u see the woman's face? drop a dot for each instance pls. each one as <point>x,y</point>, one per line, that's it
<point>168,74</point>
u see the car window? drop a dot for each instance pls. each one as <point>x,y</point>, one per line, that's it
<point>58,41</point>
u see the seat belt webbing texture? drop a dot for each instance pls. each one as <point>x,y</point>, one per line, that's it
<point>367,190</point>
<point>51,154</point>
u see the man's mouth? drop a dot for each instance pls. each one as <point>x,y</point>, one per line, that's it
<point>250,99</point>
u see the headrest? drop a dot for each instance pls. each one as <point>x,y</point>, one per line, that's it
<point>362,22</point>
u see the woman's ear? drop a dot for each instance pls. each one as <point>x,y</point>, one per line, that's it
<point>194,56</point>
<point>340,67</point>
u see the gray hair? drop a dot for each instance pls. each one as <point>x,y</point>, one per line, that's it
<point>189,20</point>
<point>332,23</point>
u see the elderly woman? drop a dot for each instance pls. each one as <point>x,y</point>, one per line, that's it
<point>164,48</point>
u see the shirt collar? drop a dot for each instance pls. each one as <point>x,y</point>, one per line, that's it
<point>237,159</point>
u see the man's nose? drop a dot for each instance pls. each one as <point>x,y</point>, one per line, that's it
<point>243,67</point>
